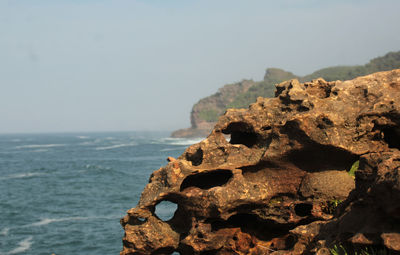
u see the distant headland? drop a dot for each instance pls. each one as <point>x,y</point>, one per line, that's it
<point>206,112</point>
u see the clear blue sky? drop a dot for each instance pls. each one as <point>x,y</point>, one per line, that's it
<point>89,65</point>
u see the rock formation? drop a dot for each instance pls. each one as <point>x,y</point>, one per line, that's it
<point>273,186</point>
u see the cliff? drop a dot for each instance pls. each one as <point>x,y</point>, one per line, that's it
<point>205,113</point>
<point>314,167</point>
<point>207,110</point>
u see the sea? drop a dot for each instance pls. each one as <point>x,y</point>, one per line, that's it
<point>66,193</point>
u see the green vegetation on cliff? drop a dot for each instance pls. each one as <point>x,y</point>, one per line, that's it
<point>265,88</point>
<point>209,115</point>
<point>242,94</point>
<point>388,62</point>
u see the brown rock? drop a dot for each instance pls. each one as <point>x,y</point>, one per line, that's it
<point>265,189</point>
<point>391,240</point>
<point>329,185</point>
<point>171,159</point>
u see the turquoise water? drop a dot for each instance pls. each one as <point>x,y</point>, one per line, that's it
<point>65,193</point>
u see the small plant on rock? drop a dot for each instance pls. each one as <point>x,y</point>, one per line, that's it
<point>339,249</point>
<point>354,168</point>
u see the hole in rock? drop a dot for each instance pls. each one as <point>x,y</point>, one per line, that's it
<point>328,91</point>
<point>317,157</point>
<point>392,137</point>
<point>279,91</point>
<point>241,133</point>
<point>210,252</point>
<point>128,244</point>
<point>324,122</point>
<point>253,225</point>
<point>165,210</point>
<point>303,209</point>
<point>136,220</point>
<point>263,165</point>
<point>245,138</point>
<point>207,180</point>
<point>163,251</point>
<point>302,108</point>
<point>196,158</point>
<point>227,137</point>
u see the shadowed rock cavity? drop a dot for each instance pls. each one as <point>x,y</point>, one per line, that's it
<point>281,182</point>
<point>196,158</point>
<point>391,136</point>
<point>241,133</point>
<point>207,180</point>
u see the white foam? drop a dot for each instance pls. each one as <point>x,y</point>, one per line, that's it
<point>116,146</point>
<point>21,175</point>
<point>35,146</point>
<point>23,246</point>
<point>181,141</point>
<point>40,150</point>
<point>4,231</point>
<point>47,221</point>
<point>173,149</point>
<point>89,166</point>
<point>87,143</point>
<point>82,137</point>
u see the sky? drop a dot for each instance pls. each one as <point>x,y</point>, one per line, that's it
<point>86,65</point>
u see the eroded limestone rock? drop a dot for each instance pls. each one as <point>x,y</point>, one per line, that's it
<point>270,187</point>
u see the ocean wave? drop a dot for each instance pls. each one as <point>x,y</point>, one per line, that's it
<point>47,221</point>
<point>89,166</point>
<point>23,246</point>
<point>4,231</point>
<point>21,175</point>
<point>180,141</point>
<point>173,149</point>
<point>35,146</point>
<point>115,146</point>
<point>41,150</point>
<point>82,137</point>
<point>87,143</point>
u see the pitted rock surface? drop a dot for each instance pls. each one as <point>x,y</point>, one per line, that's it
<point>269,187</point>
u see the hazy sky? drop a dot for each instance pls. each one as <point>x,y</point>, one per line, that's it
<point>98,65</point>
